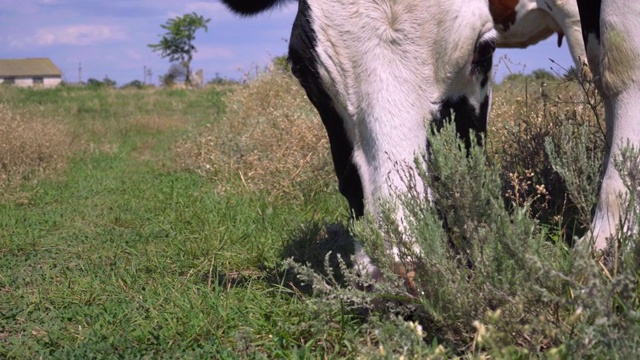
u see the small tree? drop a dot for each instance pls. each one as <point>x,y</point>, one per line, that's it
<point>177,42</point>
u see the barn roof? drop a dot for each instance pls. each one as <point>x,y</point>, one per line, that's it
<point>28,67</point>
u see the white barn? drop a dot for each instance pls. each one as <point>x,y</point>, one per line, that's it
<point>37,72</point>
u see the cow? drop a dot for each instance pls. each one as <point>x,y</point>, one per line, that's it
<point>379,72</point>
<point>611,32</point>
<point>521,23</point>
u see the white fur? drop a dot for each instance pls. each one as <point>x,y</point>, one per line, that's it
<point>388,65</point>
<point>536,20</point>
<point>616,68</point>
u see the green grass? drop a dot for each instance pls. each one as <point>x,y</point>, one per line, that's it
<point>127,256</point>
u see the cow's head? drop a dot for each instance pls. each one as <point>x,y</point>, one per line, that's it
<point>379,72</point>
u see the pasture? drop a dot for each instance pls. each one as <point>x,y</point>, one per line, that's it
<point>157,223</point>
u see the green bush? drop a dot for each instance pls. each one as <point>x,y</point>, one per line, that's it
<point>493,281</point>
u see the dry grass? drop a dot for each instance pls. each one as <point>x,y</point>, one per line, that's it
<point>271,138</point>
<point>30,147</point>
<point>525,112</point>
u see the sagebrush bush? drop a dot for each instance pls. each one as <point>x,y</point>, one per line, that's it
<point>575,157</point>
<point>527,113</point>
<point>489,281</point>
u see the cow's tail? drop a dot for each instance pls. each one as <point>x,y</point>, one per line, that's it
<point>252,7</point>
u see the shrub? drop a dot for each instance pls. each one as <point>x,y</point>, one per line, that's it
<point>489,283</point>
<point>526,115</point>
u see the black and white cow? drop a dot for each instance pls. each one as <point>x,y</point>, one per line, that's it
<point>611,31</point>
<point>378,72</point>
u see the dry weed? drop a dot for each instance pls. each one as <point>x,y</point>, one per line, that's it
<point>30,147</point>
<point>525,112</point>
<point>271,138</point>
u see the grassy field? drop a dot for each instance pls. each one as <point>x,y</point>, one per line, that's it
<point>154,224</point>
<point>121,252</point>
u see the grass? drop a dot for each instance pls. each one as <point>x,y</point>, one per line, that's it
<point>126,255</point>
<point>160,224</point>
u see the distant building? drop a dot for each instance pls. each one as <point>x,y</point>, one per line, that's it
<point>38,72</point>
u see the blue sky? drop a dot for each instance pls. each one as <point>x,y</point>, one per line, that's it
<point>109,38</point>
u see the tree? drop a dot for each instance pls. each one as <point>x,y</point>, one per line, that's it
<point>177,42</point>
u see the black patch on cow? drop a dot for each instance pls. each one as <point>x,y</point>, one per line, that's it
<point>465,118</point>
<point>252,7</point>
<point>590,18</point>
<point>483,69</point>
<point>483,60</point>
<point>303,58</point>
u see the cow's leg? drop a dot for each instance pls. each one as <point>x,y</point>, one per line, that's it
<point>622,129</point>
<point>566,15</point>
<point>612,40</point>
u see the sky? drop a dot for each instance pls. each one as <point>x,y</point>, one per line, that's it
<point>109,38</point>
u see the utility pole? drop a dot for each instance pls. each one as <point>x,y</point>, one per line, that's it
<point>144,75</point>
<point>150,74</point>
<point>79,73</point>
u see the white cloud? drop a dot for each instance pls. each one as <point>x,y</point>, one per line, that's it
<point>134,54</point>
<point>213,53</point>
<point>71,35</point>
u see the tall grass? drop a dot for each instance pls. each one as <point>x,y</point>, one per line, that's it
<point>528,113</point>
<point>270,138</point>
<point>495,275</point>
